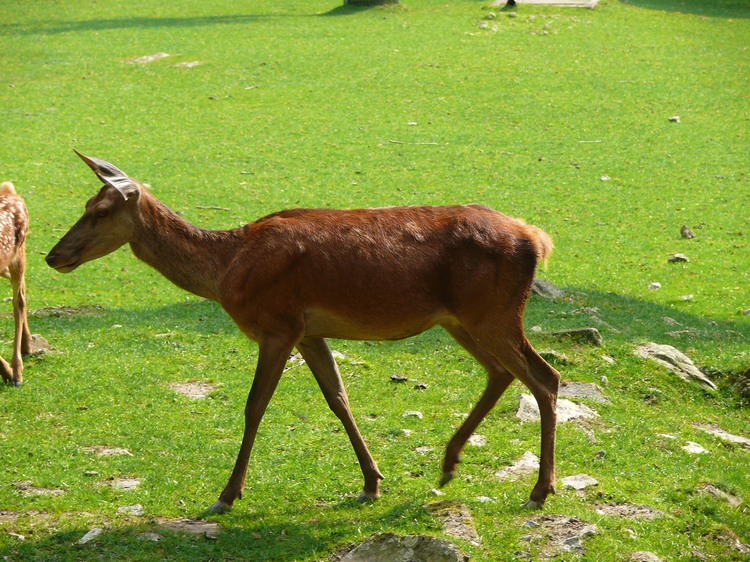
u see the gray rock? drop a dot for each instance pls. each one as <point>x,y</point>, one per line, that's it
<point>713,491</point>
<point>582,335</point>
<point>527,464</point>
<point>644,556</point>
<point>675,361</point>
<point>456,519</point>
<point>396,548</point>
<point>546,289</point>
<point>579,482</point>
<point>716,431</point>
<point>528,410</point>
<point>686,232</point>
<point>585,390</point>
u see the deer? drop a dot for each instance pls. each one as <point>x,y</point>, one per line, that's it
<point>14,226</point>
<point>296,277</point>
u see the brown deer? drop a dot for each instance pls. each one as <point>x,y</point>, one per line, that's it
<point>14,225</point>
<point>295,277</point>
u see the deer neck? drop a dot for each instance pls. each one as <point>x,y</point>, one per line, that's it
<point>192,258</point>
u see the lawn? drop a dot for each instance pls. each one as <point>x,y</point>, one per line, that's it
<point>609,128</point>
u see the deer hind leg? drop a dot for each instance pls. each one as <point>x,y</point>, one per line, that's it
<point>272,356</point>
<point>518,357</point>
<point>318,357</point>
<point>498,380</point>
<point>22,339</point>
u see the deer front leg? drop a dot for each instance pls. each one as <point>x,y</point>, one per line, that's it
<point>318,357</point>
<point>6,371</point>
<point>272,356</point>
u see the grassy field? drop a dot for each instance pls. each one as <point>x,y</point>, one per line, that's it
<point>564,117</point>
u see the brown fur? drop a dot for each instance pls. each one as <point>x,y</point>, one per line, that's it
<point>14,225</point>
<point>296,277</point>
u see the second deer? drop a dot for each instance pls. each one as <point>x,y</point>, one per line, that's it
<point>293,278</point>
<point>14,225</point>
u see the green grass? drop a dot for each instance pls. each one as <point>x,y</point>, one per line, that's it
<point>308,103</point>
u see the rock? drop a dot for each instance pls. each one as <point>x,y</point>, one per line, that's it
<point>125,483</point>
<point>153,537</point>
<point>554,358</point>
<point>528,410</point>
<point>724,436</point>
<point>147,58</point>
<point>397,548</point>
<point>40,346</point>
<point>205,528</point>
<point>654,286</point>
<point>546,289</point>
<point>477,440</point>
<point>694,449</point>
<point>582,335</point>
<point>675,258</point>
<point>674,360</point>
<point>398,378</point>
<point>527,464</point>
<point>674,119</point>
<point>412,414</point>
<point>643,556</point>
<point>585,390</point>
<point>90,536</point>
<point>456,519</point>
<point>136,510</point>
<point>713,491</point>
<point>579,482</point>
<point>685,232</point>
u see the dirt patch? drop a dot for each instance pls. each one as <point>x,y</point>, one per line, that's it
<point>104,451</point>
<point>206,529</point>
<point>58,311</point>
<point>27,488</point>
<point>195,390</point>
<point>629,511</point>
<point>126,484</point>
<point>558,534</point>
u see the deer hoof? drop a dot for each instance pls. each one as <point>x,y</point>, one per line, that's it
<point>366,497</point>
<point>447,477</point>
<point>218,508</point>
<point>532,505</point>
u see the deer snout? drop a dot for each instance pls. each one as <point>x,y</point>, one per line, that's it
<point>55,261</point>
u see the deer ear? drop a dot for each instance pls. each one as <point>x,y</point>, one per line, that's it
<point>112,176</point>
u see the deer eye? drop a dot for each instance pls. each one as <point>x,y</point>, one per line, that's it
<point>101,213</point>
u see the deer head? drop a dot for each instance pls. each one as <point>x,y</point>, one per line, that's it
<point>107,222</point>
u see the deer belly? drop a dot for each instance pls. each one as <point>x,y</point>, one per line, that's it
<point>362,326</point>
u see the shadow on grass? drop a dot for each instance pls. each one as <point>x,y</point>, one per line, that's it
<point>708,8</point>
<point>269,535</point>
<point>57,27</point>
<point>623,322</point>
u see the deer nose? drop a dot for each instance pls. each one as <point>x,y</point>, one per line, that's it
<point>51,259</point>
